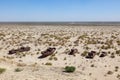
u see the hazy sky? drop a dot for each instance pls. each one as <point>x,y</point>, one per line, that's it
<point>59,10</point>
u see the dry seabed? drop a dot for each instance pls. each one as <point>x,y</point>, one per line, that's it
<point>93,50</point>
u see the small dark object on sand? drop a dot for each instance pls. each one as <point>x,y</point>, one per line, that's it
<point>103,54</point>
<point>73,51</point>
<point>47,52</point>
<point>13,51</point>
<point>21,49</point>
<point>91,55</point>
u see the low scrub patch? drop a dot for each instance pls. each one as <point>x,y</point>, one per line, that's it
<point>2,70</point>
<point>70,69</point>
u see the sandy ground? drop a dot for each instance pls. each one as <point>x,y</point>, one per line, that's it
<point>63,38</point>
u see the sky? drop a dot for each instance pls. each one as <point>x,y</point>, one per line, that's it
<point>59,10</point>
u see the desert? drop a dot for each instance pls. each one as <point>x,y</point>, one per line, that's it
<point>41,52</point>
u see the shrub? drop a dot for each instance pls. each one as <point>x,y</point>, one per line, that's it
<point>110,72</point>
<point>116,68</point>
<point>50,58</point>
<point>2,70</point>
<point>55,58</point>
<point>21,64</point>
<point>118,42</point>
<point>92,65</point>
<point>70,69</point>
<point>118,76</point>
<point>84,53</point>
<point>65,58</point>
<point>118,52</point>
<point>18,70</point>
<point>48,63</point>
<point>112,55</point>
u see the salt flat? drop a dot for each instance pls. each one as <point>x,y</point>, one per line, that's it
<point>101,42</point>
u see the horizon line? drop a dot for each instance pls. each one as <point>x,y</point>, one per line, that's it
<point>54,21</point>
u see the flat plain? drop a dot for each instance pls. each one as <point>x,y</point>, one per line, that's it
<point>93,50</point>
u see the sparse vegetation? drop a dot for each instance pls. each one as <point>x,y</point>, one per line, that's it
<point>2,70</point>
<point>109,72</point>
<point>118,76</point>
<point>18,70</point>
<point>65,58</point>
<point>70,69</point>
<point>48,63</point>
<point>84,53</point>
<point>92,65</point>
<point>118,42</point>
<point>21,64</point>
<point>116,68</point>
<point>50,58</point>
<point>55,58</point>
<point>112,55</point>
<point>95,47</point>
<point>118,52</point>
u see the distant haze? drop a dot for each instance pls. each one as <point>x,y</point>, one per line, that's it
<point>59,10</point>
